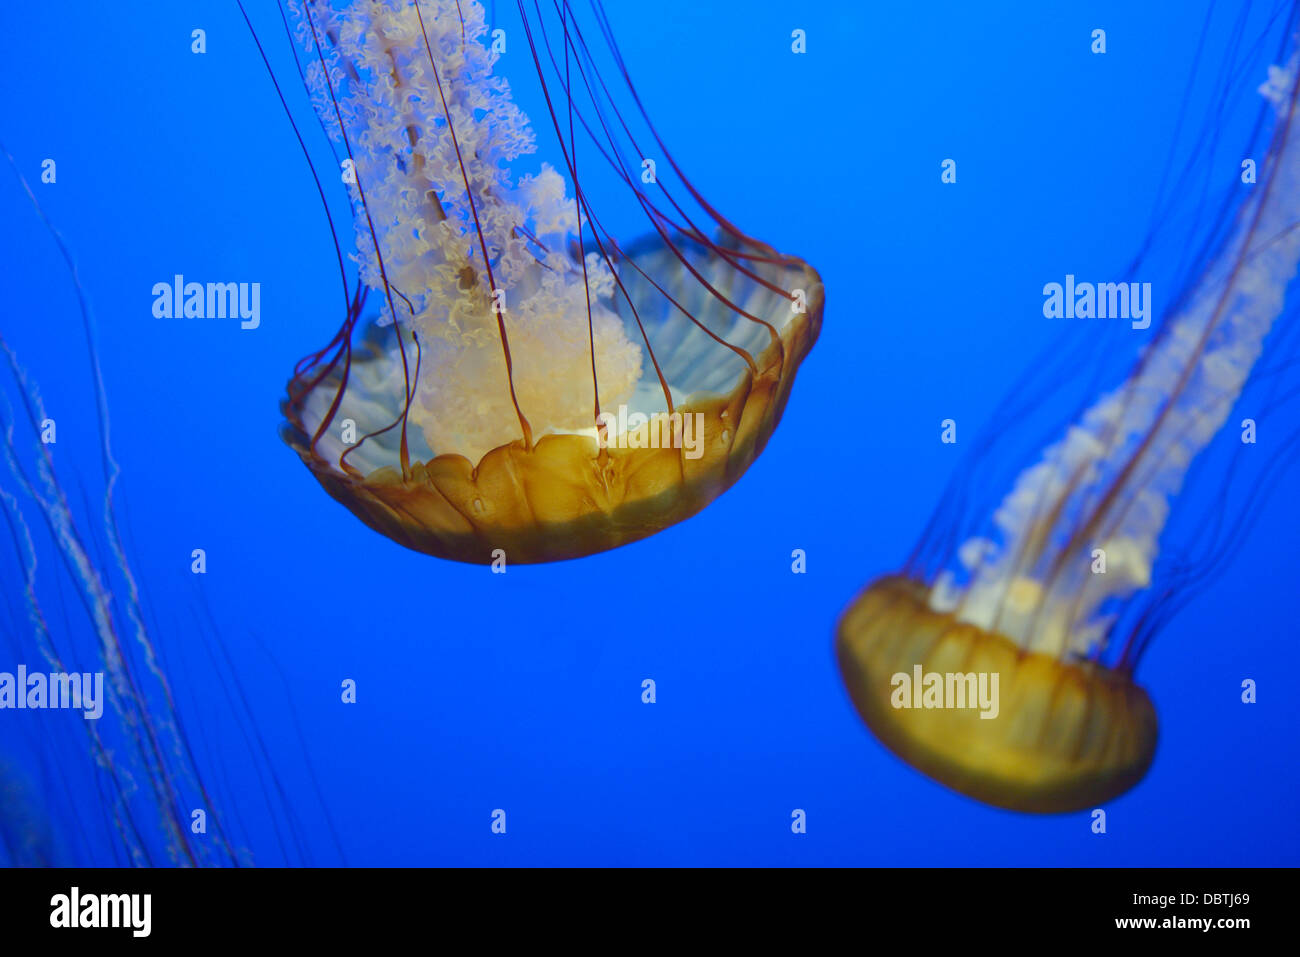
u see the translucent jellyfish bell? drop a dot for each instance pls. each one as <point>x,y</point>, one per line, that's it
<point>1068,734</point>
<point>1027,603</point>
<point>532,386</point>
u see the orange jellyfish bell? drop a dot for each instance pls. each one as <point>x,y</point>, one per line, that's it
<point>565,496</point>
<point>1074,735</point>
<point>531,388</point>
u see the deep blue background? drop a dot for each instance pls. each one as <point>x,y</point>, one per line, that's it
<point>522,691</point>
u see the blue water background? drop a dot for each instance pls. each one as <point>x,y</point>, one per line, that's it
<point>523,691</point>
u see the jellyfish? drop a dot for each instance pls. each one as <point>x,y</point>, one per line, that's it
<point>121,779</point>
<point>131,799</point>
<point>1055,601</point>
<point>529,386</point>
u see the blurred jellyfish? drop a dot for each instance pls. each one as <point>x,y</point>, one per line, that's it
<point>530,385</point>
<point>119,783</point>
<point>143,782</point>
<point>1059,596</point>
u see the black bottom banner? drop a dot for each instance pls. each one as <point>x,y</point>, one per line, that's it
<point>332,907</point>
